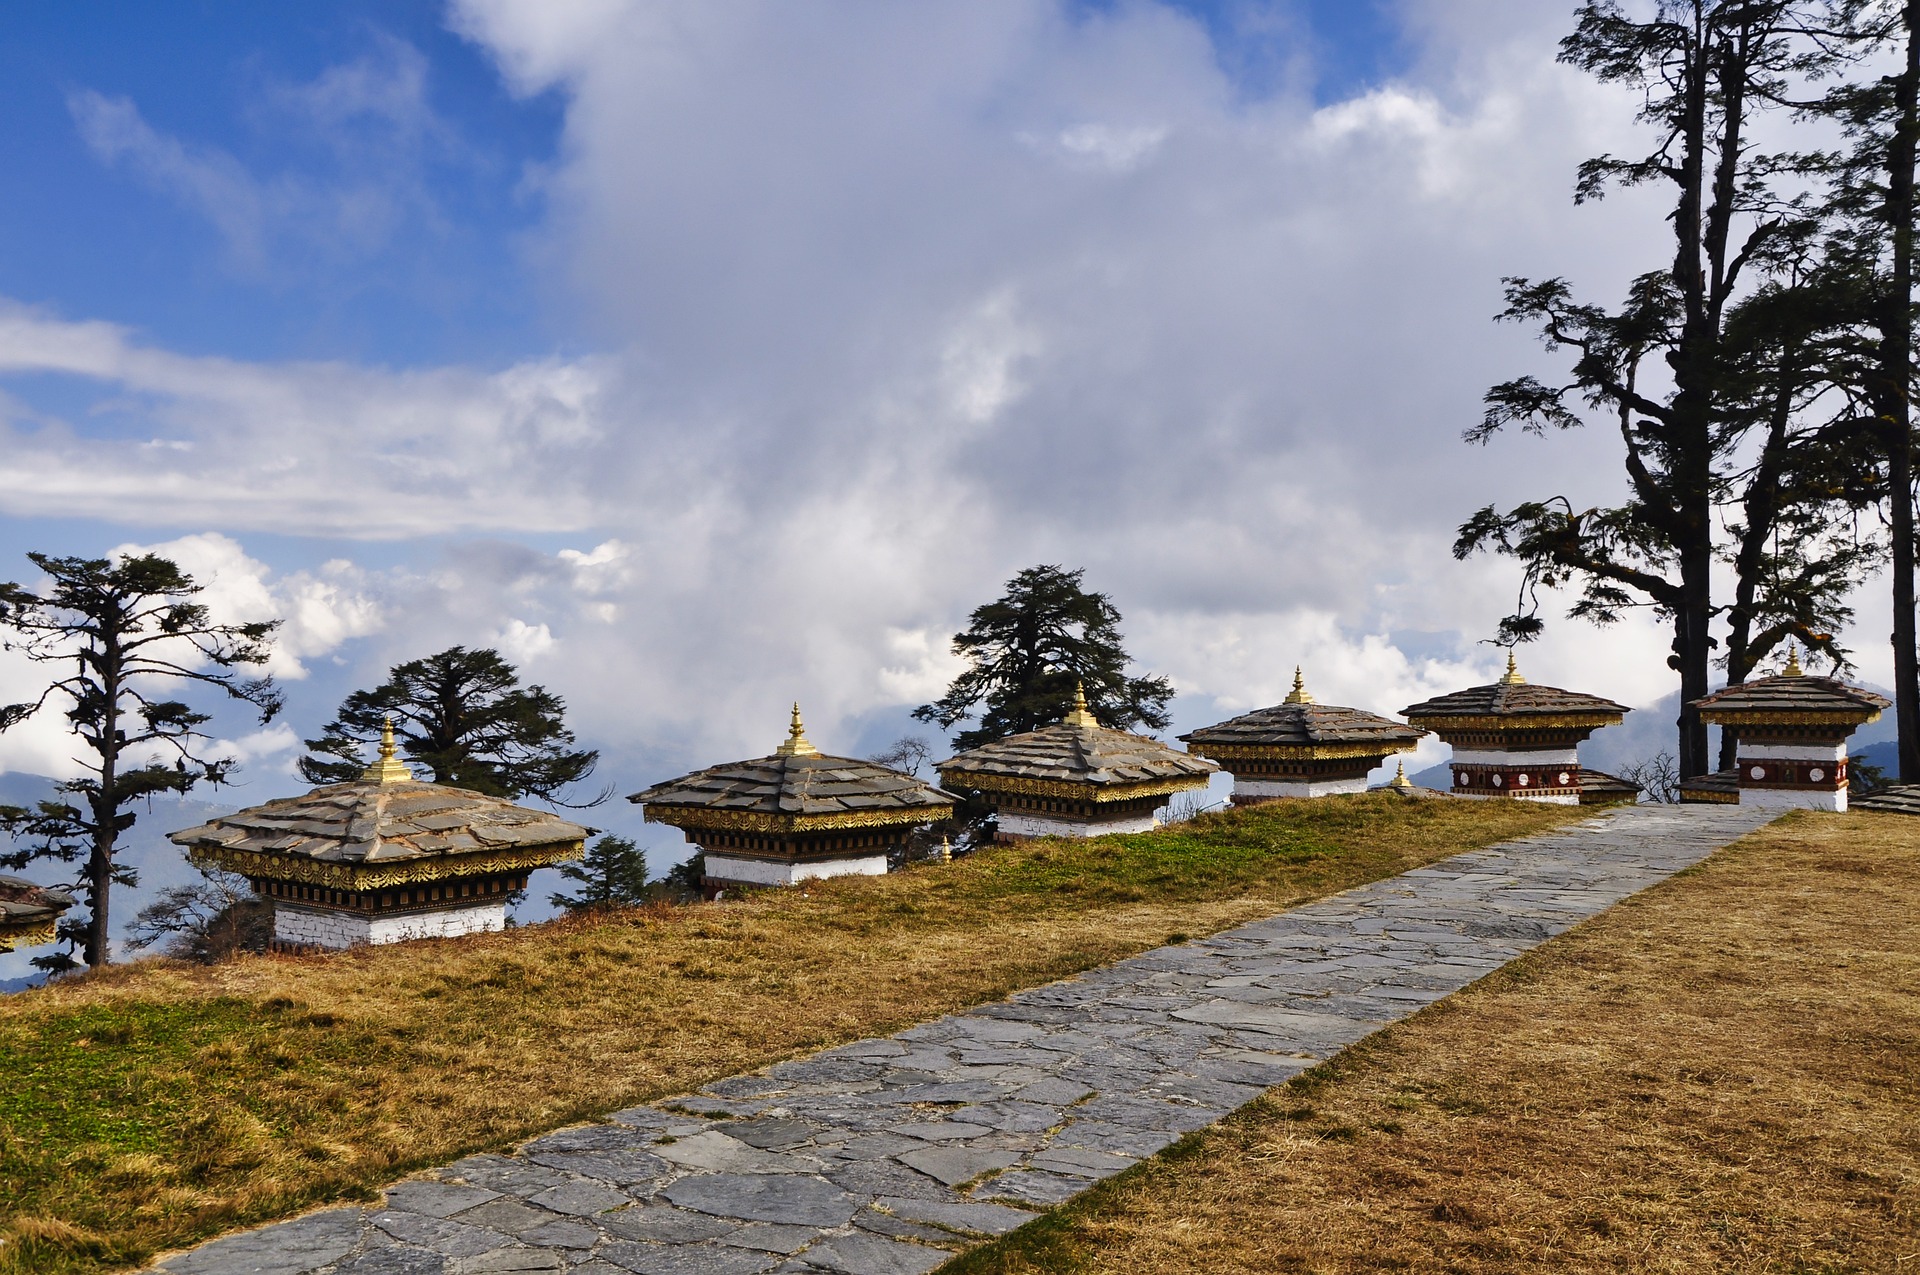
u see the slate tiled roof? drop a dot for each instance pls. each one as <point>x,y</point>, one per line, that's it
<point>1066,753</point>
<point>802,784</point>
<point>28,909</point>
<point>1791,694</point>
<point>1598,783</point>
<point>1514,699</point>
<point>368,823</point>
<point>1721,787</point>
<point>1896,799</point>
<point>1305,725</point>
<point>795,789</point>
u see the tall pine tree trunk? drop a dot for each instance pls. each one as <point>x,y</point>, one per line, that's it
<point>1694,648</point>
<point>1700,222</point>
<point>105,811</point>
<point>1896,360</point>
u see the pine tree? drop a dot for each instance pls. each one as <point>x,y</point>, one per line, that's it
<point>1658,369</point>
<point>1873,207</point>
<point>1028,650</point>
<point>131,630</point>
<point>613,872</point>
<point>464,717</point>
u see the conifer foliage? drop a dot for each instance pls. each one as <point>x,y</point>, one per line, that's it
<point>463,717</point>
<point>131,630</point>
<point>612,873</point>
<point>1029,648</point>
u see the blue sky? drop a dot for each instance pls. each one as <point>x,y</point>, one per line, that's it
<point>93,237</point>
<point>708,357</point>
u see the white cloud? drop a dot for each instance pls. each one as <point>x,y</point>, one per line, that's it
<point>309,448</point>
<point>523,643</point>
<point>317,612</point>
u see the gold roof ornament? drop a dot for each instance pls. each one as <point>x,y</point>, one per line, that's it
<point>797,744</point>
<point>1298,695</point>
<point>1400,782</point>
<point>946,849</point>
<point>389,769</point>
<point>1793,662</point>
<point>1081,717</point>
<point>1512,676</point>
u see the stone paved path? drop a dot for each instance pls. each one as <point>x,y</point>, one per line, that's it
<point>878,1157</point>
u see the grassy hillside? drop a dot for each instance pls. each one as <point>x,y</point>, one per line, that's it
<point>1716,1075</point>
<point>152,1106</point>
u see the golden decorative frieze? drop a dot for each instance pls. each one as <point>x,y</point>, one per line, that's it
<point>1069,790</point>
<point>40,932</point>
<point>757,821</point>
<point>1761,717</point>
<point>353,876</point>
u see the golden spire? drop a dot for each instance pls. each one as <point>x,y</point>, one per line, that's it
<point>946,850</point>
<point>1512,676</point>
<point>1298,695</point>
<point>796,745</point>
<point>1400,782</point>
<point>389,769</point>
<point>1793,662</point>
<point>1081,716</point>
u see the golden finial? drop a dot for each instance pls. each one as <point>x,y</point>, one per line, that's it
<point>1512,676</point>
<point>389,769</point>
<point>1298,695</point>
<point>946,850</point>
<point>1081,716</point>
<point>1793,662</point>
<point>796,745</point>
<point>1400,782</point>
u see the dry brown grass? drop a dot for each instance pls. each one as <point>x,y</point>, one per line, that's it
<point>1721,1074</point>
<point>149,1107</point>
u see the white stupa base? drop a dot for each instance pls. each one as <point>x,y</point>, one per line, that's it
<point>1532,757</point>
<point>1795,798</point>
<point>1794,752</point>
<point>721,868</point>
<point>1016,824</point>
<point>1249,791</point>
<point>337,931</point>
<point>1521,794</point>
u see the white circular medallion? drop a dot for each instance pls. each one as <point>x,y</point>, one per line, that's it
<point>1816,774</point>
<point>1460,778</point>
<point>1498,780</point>
<point>1758,772</point>
<point>1525,780</point>
<point>1565,779</point>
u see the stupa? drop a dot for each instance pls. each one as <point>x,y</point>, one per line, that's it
<point>795,815</point>
<point>1074,779</point>
<point>1512,738</point>
<point>29,913</point>
<point>1299,748</point>
<point>1792,729</point>
<point>384,858</point>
